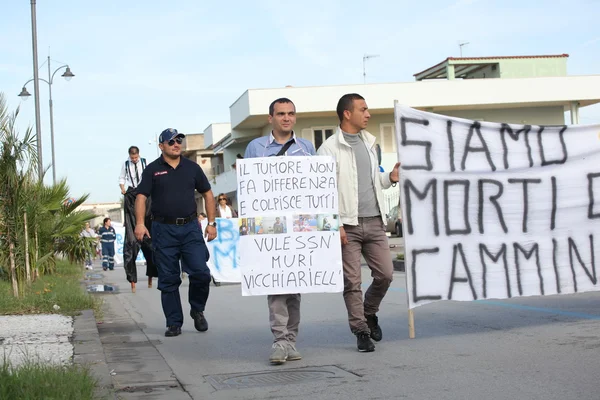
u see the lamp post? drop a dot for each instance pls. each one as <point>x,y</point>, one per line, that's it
<point>25,94</point>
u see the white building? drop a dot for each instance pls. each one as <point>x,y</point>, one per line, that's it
<point>522,90</point>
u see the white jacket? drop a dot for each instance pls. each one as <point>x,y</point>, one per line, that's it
<point>347,175</point>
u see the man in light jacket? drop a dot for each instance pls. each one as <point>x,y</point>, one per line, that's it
<point>360,185</point>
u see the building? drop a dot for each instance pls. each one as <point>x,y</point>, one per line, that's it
<point>521,89</point>
<point>114,211</point>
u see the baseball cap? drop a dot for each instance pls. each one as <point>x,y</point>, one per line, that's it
<point>169,134</point>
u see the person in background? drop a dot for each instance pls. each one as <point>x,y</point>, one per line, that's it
<point>129,179</point>
<point>107,238</point>
<point>224,209</point>
<point>89,233</point>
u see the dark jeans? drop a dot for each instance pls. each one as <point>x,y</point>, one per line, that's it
<point>173,243</point>
<point>132,246</point>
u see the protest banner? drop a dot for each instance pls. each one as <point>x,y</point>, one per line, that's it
<point>224,262</point>
<point>120,245</point>
<point>495,210</point>
<point>289,225</point>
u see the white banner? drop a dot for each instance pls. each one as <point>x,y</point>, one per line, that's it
<point>496,210</point>
<point>224,262</point>
<point>120,244</point>
<point>288,225</point>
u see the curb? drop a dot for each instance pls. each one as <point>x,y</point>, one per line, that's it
<point>88,352</point>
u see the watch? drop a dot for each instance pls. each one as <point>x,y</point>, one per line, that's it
<point>213,224</point>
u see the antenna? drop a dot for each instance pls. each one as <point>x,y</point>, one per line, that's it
<point>460,45</point>
<point>365,58</point>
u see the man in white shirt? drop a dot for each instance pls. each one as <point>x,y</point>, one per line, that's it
<point>130,178</point>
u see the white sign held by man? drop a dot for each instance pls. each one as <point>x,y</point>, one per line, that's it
<point>288,225</point>
<point>495,210</point>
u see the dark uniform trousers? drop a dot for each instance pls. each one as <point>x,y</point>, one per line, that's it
<point>132,246</point>
<point>186,243</point>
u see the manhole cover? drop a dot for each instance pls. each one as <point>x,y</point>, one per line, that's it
<point>270,378</point>
<point>102,288</point>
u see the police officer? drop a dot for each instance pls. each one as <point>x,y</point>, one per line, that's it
<point>171,181</point>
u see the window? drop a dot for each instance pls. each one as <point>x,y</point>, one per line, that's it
<point>387,138</point>
<point>321,135</point>
<point>318,135</point>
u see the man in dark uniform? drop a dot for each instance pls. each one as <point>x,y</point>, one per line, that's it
<point>171,182</point>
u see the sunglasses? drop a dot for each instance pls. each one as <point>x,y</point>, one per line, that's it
<point>172,141</point>
<point>222,198</point>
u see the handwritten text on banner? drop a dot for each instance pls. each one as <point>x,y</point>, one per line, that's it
<point>288,225</point>
<point>496,210</point>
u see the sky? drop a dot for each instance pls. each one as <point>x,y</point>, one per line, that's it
<point>144,66</point>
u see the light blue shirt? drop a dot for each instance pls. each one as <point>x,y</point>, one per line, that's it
<point>266,146</point>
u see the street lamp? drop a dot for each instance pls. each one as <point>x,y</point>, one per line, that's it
<point>25,95</point>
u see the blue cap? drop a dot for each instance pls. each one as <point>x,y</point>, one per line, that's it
<point>169,134</point>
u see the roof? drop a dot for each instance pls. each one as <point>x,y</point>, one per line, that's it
<point>476,62</point>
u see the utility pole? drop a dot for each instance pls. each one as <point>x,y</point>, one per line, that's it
<point>36,91</point>
<point>365,58</point>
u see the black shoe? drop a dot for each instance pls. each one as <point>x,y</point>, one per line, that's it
<point>364,342</point>
<point>373,323</point>
<point>173,331</point>
<point>200,322</point>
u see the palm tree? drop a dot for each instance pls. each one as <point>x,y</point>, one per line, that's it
<point>35,222</point>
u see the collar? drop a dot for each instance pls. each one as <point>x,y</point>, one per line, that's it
<point>272,138</point>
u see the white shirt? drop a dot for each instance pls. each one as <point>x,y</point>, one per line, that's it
<point>225,212</point>
<point>133,175</point>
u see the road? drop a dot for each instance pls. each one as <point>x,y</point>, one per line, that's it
<point>524,348</point>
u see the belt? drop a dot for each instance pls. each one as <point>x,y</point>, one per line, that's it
<point>174,221</point>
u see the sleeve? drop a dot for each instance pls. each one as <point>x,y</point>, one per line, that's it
<point>384,178</point>
<point>122,176</point>
<point>202,184</point>
<point>250,153</point>
<point>323,151</point>
<point>145,186</point>
<point>310,148</point>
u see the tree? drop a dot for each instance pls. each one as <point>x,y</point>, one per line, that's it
<point>36,224</point>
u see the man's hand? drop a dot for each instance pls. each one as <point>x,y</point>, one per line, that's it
<point>343,236</point>
<point>141,231</point>
<point>210,233</point>
<point>123,191</point>
<point>395,174</point>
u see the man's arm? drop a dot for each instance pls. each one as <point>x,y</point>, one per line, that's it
<point>211,211</point>
<point>122,179</point>
<point>140,214</point>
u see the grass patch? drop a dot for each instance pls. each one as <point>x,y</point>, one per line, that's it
<point>62,289</point>
<point>400,256</point>
<point>49,382</point>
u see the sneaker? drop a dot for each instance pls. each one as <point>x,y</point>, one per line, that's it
<point>373,323</point>
<point>279,354</point>
<point>173,331</point>
<point>292,353</point>
<point>364,342</point>
<point>200,323</point>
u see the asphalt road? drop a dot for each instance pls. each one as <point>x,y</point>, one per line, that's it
<point>524,348</point>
